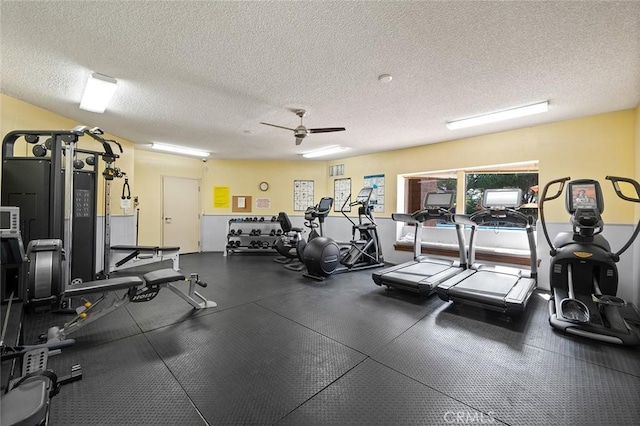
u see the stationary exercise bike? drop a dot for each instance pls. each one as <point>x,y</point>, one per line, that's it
<point>583,272</point>
<point>323,256</point>
<point>291,244</point>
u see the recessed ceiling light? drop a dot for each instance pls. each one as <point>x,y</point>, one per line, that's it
<point>98,92</point>
<point>385,78</point>
<point>498,116</point>
<point>248,132</point>
<point>325,151</point>
<point>179,150</point>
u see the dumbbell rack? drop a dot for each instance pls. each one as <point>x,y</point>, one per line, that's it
<point>252,235</point>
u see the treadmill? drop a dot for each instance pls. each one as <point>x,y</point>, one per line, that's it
<point>498,288</point>
<point>423,274</point>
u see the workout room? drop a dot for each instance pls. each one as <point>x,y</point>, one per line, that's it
<point>294,213</point>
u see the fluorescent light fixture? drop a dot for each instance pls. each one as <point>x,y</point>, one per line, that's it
<point>325,151</point>
<point>179,150</point>
<point>100,88</point>
<point>499,116</point>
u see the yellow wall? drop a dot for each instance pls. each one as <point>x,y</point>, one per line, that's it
<point>588,147</point>
<point>637,175</point>
<point>585,147</point>
<point>243,178</point>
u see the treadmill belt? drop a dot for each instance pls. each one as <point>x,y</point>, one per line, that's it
<point>485,287</point>
<point>416,272</point>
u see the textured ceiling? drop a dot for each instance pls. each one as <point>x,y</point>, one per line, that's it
<point>205,74</point>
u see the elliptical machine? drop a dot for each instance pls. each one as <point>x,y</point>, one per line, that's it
<point>324,257</point>
<point>583,272</point>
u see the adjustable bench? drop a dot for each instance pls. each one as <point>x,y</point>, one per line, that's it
<point>137,290</point>
<point>123,257</point>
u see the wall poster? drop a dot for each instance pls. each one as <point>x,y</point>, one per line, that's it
<point>341,192</point>
<point>377,198</point>
<point>302,194</point>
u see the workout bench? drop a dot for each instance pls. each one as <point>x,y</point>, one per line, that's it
<point>123,257</point>
<point>137,290</point>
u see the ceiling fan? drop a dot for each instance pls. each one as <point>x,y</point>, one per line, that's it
<point>302,132</point>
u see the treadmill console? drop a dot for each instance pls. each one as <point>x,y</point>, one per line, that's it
<point>439,200</point>
<point>502,199</point>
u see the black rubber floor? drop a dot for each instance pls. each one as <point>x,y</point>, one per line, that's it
<point>281,349</point>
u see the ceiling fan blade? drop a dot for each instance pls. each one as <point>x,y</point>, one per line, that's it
<point>299,141</point>
<point>327,130</point>
<point>275,125</point>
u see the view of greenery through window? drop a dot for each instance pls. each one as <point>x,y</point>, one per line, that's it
<point>476,183</point>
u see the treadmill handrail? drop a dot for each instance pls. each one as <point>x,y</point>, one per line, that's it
<point>508,214</point>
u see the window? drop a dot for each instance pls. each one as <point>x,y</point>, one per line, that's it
<point>476,183</point>
<point>417,188</point>
<point>476,180</point>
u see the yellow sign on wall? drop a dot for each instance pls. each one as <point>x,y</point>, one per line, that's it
<point>221,197</point>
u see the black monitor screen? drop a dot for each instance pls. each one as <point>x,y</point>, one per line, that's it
<point>5,220</point>
<point>364,195</point>
<point>325,204</point>
<point>583,196</point>
<point>435,200</point>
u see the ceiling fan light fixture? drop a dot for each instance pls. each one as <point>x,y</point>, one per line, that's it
<point>179,150</point>
<point>325,151</point>
<point>98,92</point>
<point>498,116</point>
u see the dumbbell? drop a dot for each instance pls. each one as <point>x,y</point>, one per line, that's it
<point>232,233</point>
<point>237,243</point>
<point>265,244</point>
<point>279,232</point>
<point>262,219</point>
<point>272,233</point>
<point>274,219</point>
<point>39,151</point>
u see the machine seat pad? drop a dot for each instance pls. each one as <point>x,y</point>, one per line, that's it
<point>26,404</point>
<point>162,276</point>
<point>144,248</point>
<point>100,286</point>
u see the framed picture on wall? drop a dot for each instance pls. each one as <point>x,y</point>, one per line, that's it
<point>341,193</point>
<point>303,193</point>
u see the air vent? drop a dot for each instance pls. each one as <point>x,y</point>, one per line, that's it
<point>337,170</point>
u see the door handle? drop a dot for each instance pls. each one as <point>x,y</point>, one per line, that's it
<point>167,220</point>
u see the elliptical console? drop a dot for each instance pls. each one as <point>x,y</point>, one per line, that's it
<point>583,271</point>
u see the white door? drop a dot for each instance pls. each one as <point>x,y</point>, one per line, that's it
<point>181,213</point>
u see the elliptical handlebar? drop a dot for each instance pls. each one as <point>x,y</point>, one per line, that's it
<point>543,198</point>
<point>616,187</point>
